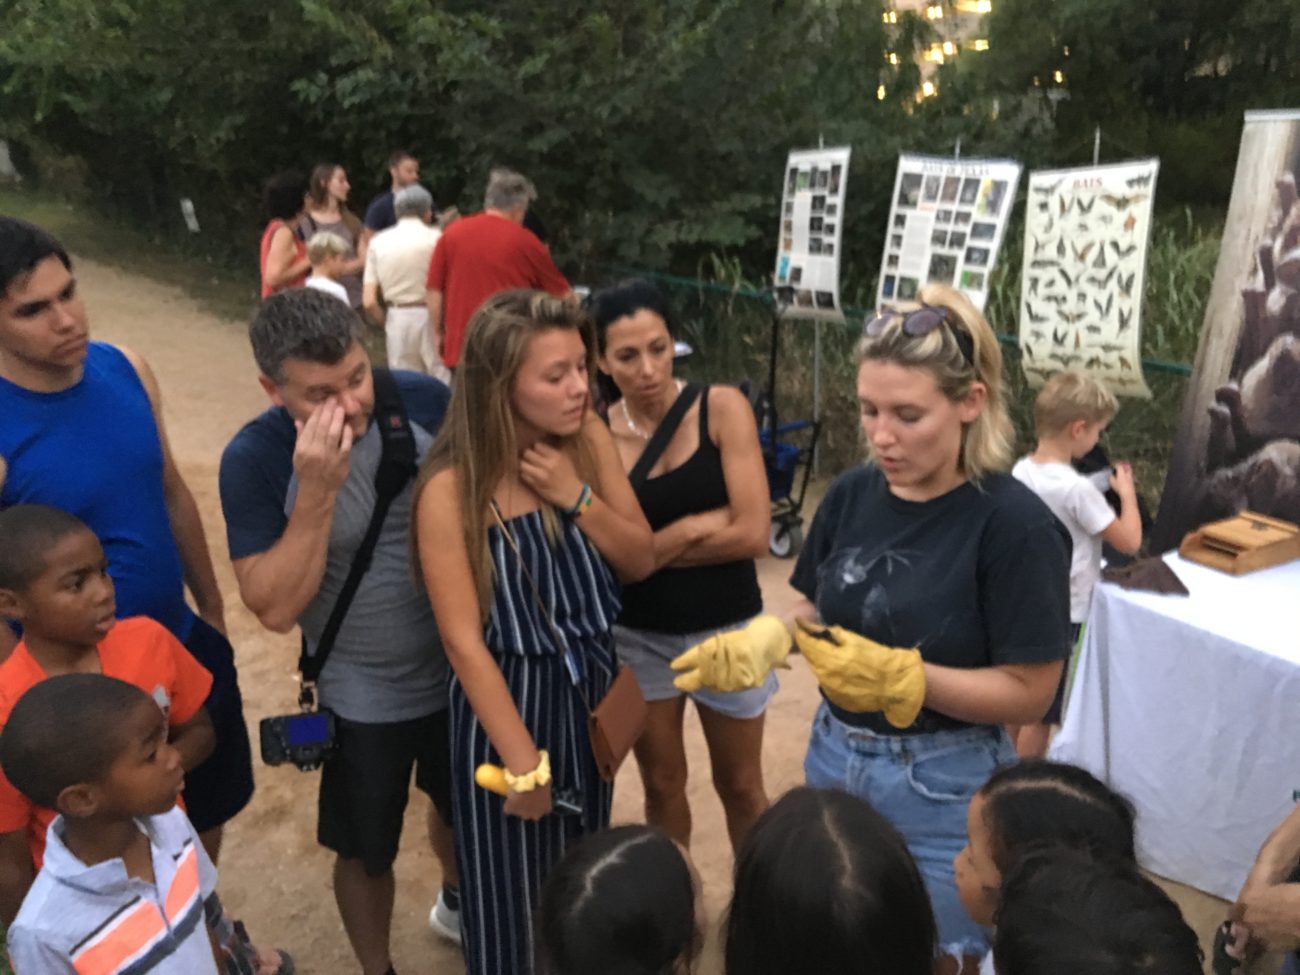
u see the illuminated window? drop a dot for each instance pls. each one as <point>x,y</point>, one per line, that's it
<point>985,6</point>
<point>949,47</point>
<point>1037,83</point>
<point>880,93</point>
<point>893,58</point>
<point>889,17</point>
<point>980,44</point>
<point>1067,50</point>
<point>927,89</point>
<point>934,12</point>
<point>1058,77</point>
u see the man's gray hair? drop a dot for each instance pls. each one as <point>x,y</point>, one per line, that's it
<point>412,201</point>
<point>301,323</point>
<point>507,189</point>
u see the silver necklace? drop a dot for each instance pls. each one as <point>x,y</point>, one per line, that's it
<point>627,415</point>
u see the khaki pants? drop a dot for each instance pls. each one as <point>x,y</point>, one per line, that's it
<point>409,341</point>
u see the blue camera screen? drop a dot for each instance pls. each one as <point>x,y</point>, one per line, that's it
<point>307,729</point>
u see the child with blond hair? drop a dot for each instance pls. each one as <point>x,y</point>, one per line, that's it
<point>1070,413</point>
<point>328,253</point>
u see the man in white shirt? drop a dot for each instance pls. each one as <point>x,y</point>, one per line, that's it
<point>396,266</point>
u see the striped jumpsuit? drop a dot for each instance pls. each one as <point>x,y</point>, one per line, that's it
<point>503,860</point>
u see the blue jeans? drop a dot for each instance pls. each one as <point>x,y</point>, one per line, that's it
<point>922,784</point>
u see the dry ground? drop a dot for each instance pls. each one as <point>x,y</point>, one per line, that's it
<point>272,872</point>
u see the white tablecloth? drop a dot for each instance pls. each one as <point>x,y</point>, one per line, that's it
<point>1190,706</point>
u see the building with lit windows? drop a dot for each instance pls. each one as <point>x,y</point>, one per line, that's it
<point>956,28</point>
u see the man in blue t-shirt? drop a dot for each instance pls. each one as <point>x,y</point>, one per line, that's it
<point>403,170</point>
<point>298,490</point>
<point>82,430</point>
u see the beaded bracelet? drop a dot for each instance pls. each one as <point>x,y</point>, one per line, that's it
<point>535,779</point>
<point>585,499</point>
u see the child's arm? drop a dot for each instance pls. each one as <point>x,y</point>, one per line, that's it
<point>194,739</point>
<point>1125,532</point>
<point>16,873</point>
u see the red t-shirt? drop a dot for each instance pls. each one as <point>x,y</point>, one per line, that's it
<point>139,651</point>
<point>475,258</point>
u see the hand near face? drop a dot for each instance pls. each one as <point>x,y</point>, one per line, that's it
<point>322,453</point>
<point>549,471</point>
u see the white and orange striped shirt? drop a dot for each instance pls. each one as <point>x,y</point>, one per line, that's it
<point>97,920</point>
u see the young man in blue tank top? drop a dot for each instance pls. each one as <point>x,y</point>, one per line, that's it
<point>83,431</point>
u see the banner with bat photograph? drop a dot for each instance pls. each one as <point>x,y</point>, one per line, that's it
<point>1238,441</point>
<point>812,221</point>
<point>1086,235</point>
<point>946,225</point>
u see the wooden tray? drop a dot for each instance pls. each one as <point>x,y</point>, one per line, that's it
<point>1241,544</point>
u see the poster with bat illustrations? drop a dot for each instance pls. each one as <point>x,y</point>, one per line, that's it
<point>946,225</point>
<point>812,230</point>
<point>1238,441</point>
<point>1086,234</point>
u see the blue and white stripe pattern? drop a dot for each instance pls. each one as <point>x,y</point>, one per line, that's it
<point>503,860</point>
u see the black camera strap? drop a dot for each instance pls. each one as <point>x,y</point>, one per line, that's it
<point>397,465</point>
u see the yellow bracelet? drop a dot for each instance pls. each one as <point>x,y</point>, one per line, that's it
<point>535,779</point>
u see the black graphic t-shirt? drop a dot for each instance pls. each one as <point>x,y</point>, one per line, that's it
<point>977,577</point>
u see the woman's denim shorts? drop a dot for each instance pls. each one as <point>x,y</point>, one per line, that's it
<point>922,784</point>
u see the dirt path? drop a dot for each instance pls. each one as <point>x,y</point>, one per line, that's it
<point>272,872</point>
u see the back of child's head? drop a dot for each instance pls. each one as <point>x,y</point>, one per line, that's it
<point>621,902</point>
<point>65,731</point>
<point>825,884</point>
<point>1070,396</point>
<point>323,244</point>
<point>1067,912</point>
<point>27,531</point>
<point>1038,803</point>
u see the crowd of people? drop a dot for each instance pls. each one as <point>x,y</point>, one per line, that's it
<point>476,558</point>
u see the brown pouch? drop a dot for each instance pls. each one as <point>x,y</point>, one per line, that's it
<point>616,723</point>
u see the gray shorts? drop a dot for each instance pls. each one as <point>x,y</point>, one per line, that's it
<point>649,653</point>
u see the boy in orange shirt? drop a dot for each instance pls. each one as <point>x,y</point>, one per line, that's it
<point>54,582</point>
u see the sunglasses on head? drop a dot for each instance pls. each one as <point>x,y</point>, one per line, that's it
<point>921,321</point>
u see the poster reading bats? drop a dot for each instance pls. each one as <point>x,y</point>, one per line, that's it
<point>1086,235</point>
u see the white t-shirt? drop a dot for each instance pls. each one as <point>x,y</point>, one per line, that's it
<point>330,287</point>
<point>1083,510</point>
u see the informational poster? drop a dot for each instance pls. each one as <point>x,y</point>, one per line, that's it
<point>1238,440</point>
<point>1086,235</point>
<point>946,225</point>
<point>812,221</point>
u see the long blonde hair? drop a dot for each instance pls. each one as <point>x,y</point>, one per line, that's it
<point>477,440</point>
<point>988,441</point>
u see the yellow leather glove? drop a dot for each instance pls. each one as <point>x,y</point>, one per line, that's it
<point>737,660</point>
<point>860,675</point>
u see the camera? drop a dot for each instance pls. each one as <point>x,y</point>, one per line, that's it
<point>305,739</point>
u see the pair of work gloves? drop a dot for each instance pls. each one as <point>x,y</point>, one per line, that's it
<point>855,673</point>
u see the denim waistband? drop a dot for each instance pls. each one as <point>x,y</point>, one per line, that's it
<point>865,740</point>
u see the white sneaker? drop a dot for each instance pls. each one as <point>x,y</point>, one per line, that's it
<point>443,921</point>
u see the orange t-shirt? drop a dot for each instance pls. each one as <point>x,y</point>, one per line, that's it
<point>139,651</point>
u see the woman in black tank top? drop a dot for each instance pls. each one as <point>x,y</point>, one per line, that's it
<point>707,502</point>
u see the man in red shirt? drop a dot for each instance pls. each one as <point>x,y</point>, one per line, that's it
<point>480,255</point>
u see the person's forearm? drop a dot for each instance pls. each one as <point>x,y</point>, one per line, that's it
<point>625,543</point>
<point>1130,520</point>
<point>433,301</point>
<point>481,680</point>
<point>674,539</point>
<point>196,559</point>
<point>281,274</point>
<point>989,695</point>
<point>740,539</point>
<point>195,742</point>
<point>287,577</point>
<point>1281,851</point>
<point>16,875</point>
<point>375,312</point>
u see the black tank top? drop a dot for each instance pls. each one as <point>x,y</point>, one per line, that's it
<point>694,598</point>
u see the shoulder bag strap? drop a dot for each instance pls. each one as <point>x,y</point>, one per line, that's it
<point>397,465</point>
<point>663,433</point>
<point>561,643</point>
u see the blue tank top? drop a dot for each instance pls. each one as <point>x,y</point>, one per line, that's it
<point>93,450</point>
